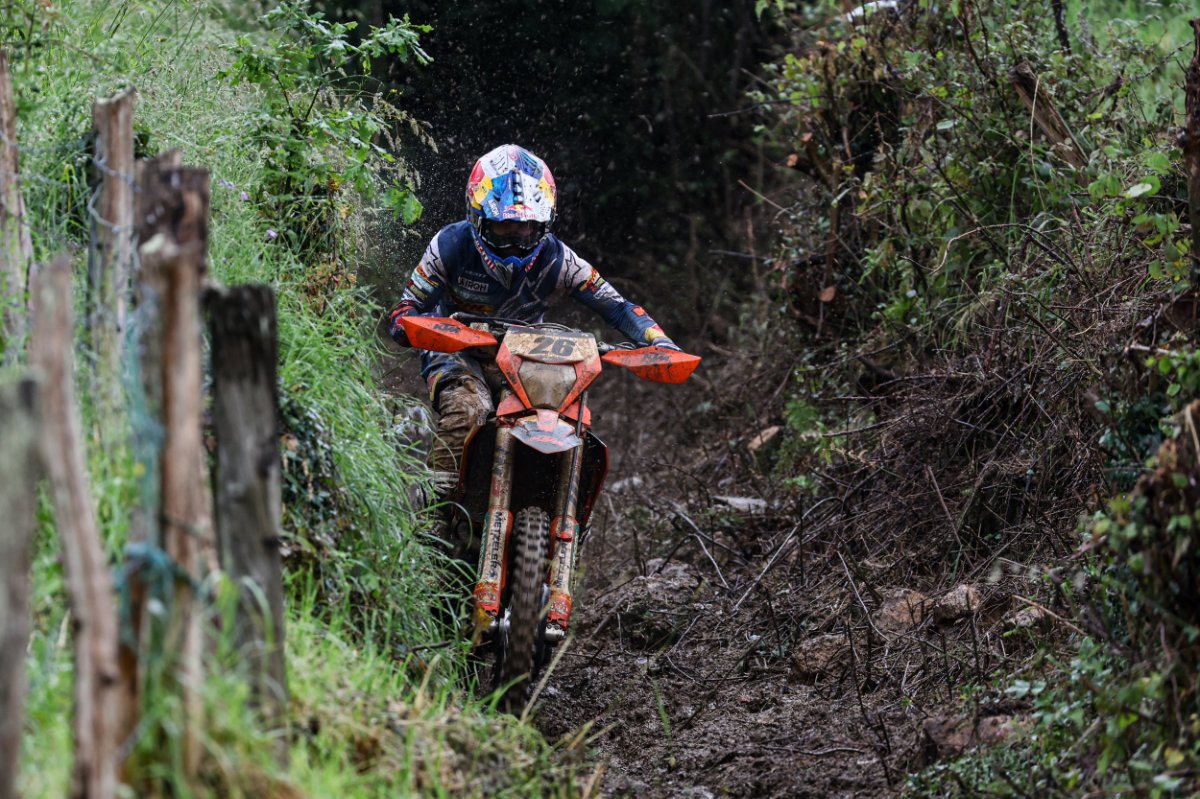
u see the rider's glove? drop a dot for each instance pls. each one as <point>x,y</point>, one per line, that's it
<point>397,330</point>
<point>665,343</point>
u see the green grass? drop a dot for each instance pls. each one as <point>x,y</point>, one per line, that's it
<point>374,712</point>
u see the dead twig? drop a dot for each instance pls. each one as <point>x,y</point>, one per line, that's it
<point>1049,613</point>
<point>774,557</point>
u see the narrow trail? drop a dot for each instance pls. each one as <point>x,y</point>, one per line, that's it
<point>723,645</point>
<point>680,673</point>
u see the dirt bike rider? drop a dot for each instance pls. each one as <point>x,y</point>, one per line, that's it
<point>500,261</point>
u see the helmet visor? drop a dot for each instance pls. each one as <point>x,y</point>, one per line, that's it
<point>522,236</point>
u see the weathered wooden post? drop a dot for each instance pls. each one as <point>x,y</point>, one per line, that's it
<point>146,433</point>
<point>173,231</point>
<point>246,483</point>
<point>112,234</point>
<point>89,583</point>
<point>1190,139</point>
<point>16,245</point>
<point>19,467</point>
<point>145,400</point>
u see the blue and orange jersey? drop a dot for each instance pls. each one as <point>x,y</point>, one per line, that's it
<point>451,278</point>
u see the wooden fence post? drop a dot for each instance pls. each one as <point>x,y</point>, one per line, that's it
<point>19,468</point>
<point>146,322</point>
<point>1190,139</point>
<point>173,231</point>
<point>246,480</point>
<point>146,431</point>
<point>89,582</point>
<point>16,244</point>
<point>112,225</point>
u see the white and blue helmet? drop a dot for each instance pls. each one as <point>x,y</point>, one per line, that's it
<point>510,184</point>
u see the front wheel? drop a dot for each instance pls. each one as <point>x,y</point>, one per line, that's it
<point>517,658</point>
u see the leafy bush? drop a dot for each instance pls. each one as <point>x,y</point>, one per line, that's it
<point>1152,541</point>
<point>319,128</point>
<point>927,181</point>
<point>975,285</point>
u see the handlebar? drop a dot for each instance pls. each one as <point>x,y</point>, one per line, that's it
<point>499,325</point>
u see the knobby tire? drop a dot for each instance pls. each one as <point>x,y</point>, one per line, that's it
<point>526,576</point>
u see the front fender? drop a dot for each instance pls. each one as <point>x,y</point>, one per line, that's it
<point>545,431</point>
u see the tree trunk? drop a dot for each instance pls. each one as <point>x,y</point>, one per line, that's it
<point>1191,149</point>
<point>19,467</point>
<point>16,245</point>
<point>173,229</point>
<point>89,583</point>
<point>246,481</point>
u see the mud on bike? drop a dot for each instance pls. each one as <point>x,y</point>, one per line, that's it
<point>530,477</point>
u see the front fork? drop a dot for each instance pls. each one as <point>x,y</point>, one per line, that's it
<point>564,538</point>
<point>497,529</point>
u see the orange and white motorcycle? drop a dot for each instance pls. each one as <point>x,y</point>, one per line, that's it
<point>530,476</point>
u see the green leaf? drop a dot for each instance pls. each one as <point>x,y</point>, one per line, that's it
<point>1158,162</point>
<point>1167,782</point>
<point>1139,189</point>
<point>1018,689</point>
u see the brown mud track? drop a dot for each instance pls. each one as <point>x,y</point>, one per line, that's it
<point>685,697</point>
<point>729,644</point>
<point>726,646</point>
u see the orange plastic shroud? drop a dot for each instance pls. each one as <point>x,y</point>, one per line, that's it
<point>656,364</point>
<point>439,334</point>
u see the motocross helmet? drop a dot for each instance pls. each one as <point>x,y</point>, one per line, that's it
<point>510,184</point>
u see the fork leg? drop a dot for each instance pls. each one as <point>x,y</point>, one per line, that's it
<point>564,535</point>
<point>497,527</point>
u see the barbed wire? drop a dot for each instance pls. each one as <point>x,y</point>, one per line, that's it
<point>95,216</point>
<point>77,145</point>
<point>98,161</point>
<point>58,238</point>
<point>36,178</point>
<point>100,164</point>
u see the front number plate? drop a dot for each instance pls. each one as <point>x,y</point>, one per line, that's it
<point>551,346</point>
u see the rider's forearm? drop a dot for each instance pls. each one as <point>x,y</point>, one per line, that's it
<point>636,324</point>
<point>623,315</point>
<point>422,292</point>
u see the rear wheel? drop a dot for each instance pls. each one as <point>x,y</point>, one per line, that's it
<point>517,657</point>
